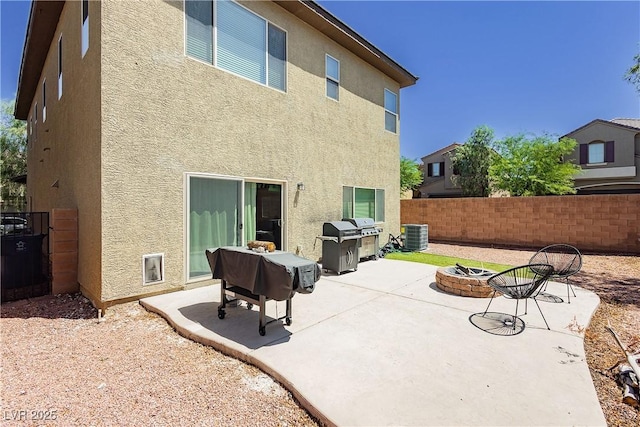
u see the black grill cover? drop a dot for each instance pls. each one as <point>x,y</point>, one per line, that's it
<point>276,275</point>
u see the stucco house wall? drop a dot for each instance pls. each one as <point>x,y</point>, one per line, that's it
<point>156,115</point>
<point>620,175</point>
<point>63,155</point>
<point>440,186</point>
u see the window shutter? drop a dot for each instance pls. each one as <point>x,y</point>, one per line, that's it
<point>242,40</point>
<point>609,152</point>
<point>441,168</point>
<point>584,154</point>
<point>430,169</point>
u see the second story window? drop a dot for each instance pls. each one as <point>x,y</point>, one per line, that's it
<point>332,72</point>
<point>390,111</point>
<point>243,43</point>
<point>44,100</point>
<point>84,6</point>
<point>435,169</point>
<point>60,67</point>
<point>597,152</point>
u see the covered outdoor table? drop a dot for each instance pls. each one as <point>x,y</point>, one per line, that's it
<point>256,277</point>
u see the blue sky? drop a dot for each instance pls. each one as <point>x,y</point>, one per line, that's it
<point>514,66</point>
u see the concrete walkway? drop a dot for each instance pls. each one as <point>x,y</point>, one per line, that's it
<point>383,346</point>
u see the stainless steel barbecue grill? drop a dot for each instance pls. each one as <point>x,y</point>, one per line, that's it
<point>340,243</point>
<point>370,236</point>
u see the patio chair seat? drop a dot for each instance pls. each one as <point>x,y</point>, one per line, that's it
<point>566,261</point>
<point>522,282</point>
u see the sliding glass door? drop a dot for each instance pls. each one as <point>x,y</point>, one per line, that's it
<point>229,211</point>
<point>215,219</point>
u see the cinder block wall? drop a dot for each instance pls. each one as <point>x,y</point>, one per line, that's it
<point>609,223</point>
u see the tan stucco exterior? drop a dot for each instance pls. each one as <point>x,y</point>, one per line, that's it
<point>64,161</point>
<point>137,116</point>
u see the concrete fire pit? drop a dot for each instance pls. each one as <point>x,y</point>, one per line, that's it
<point>453,280</point>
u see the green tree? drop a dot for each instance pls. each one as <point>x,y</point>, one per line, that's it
<point>533,167</point>
<point>13,146</point>
<point>410,175</point>
<point>471,162</point>
<point>633,73</point>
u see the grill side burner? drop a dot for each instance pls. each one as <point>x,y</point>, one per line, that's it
<point>370,242</point>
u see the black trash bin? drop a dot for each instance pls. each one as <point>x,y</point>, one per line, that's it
<point>22,265</point>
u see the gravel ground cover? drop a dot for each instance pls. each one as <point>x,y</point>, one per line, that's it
<point>616,280</point>
<point>61,366</point>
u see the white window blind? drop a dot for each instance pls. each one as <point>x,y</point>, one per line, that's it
<point>241,41</point>
<point>245,43</point>
<point>200,30</point>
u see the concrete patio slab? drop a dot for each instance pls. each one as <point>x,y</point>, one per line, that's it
<point>384,346</point>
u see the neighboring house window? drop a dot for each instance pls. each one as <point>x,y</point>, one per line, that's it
<point>435,169</point>
<point>360,202</point>
<point>44,100</point>
<point>332,71</point>
<point>597,152</point>
<point>390,111</point>
<point>85,26</point>
<point>243,43</point>
<point>60,67</point>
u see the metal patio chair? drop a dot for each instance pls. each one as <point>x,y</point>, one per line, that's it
<point>565,260</point>
<point>519,283</point>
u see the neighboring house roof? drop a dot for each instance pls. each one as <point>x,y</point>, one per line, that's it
<point>631,124</point>
<point>444,150</point>
<point>44,16</point>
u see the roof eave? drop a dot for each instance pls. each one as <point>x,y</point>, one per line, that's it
<point>43,21</point>
<point>322,20</point>
<point>44,16</point>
